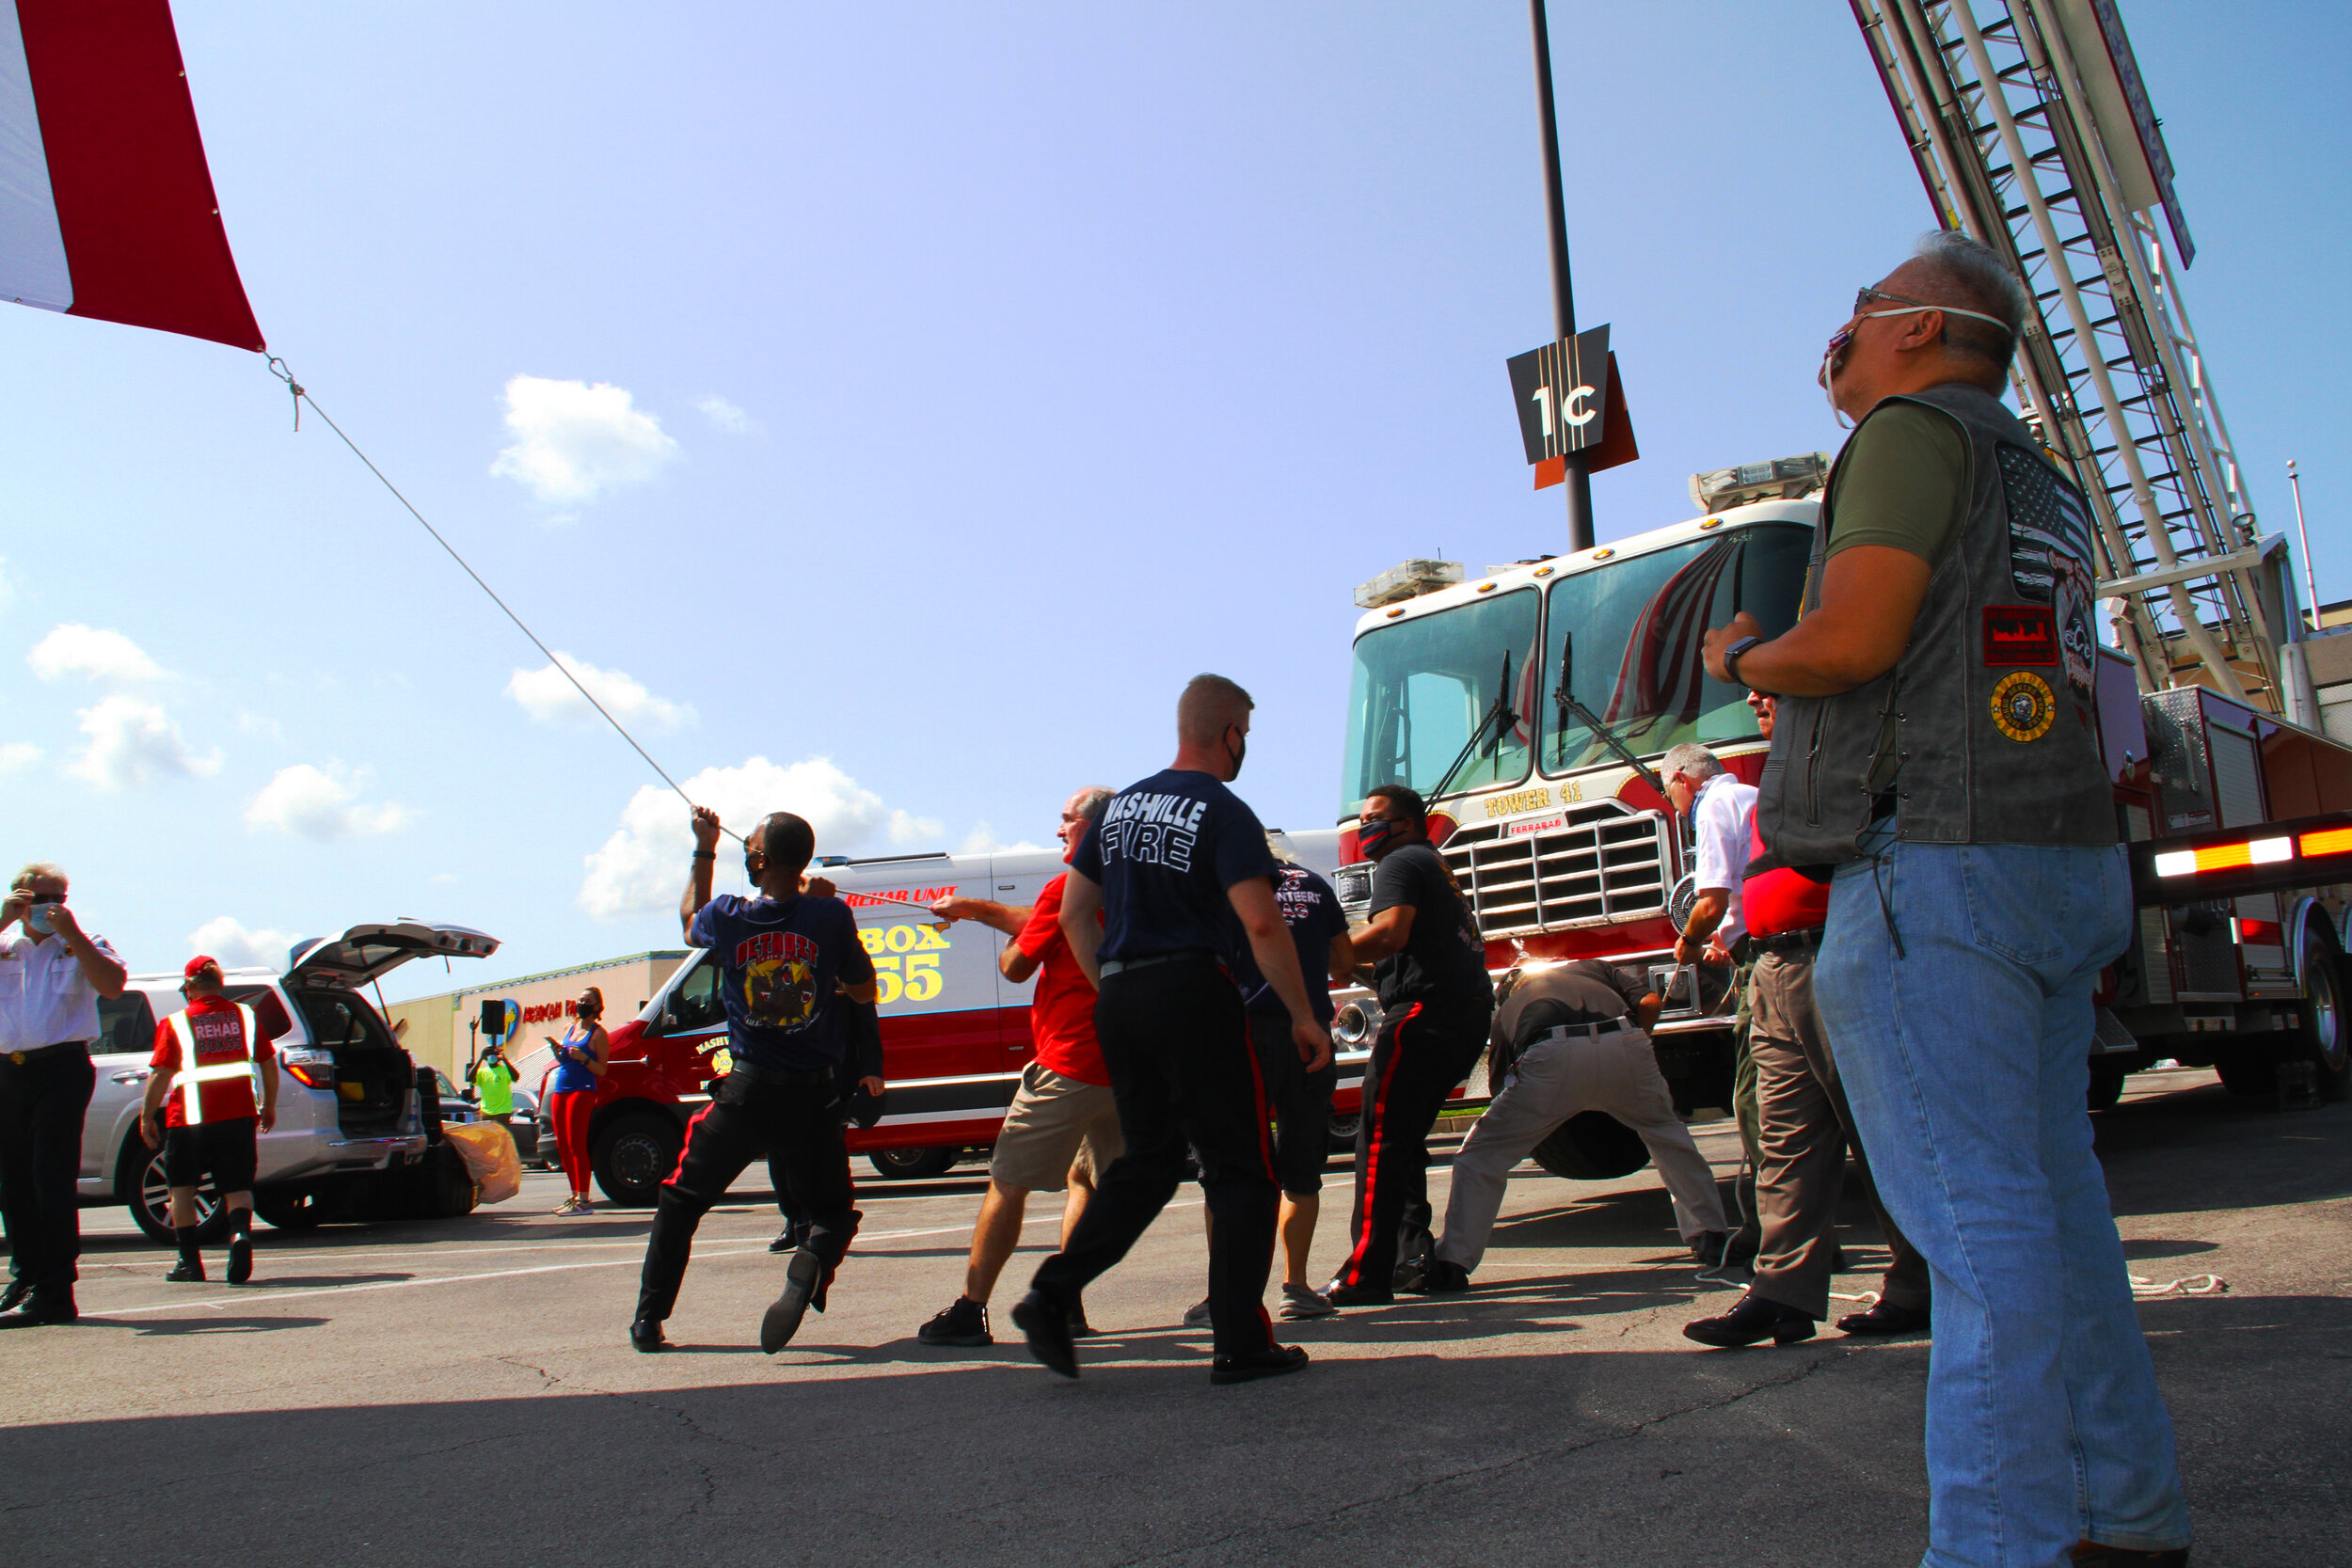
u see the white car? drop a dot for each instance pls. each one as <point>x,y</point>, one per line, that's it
<point>349,1127</point>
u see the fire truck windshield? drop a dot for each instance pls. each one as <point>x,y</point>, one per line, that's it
<point>1630,630</point>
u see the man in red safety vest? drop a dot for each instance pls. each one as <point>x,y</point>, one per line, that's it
<point>225,1076</point>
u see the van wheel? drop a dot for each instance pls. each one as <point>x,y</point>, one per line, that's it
<point>913,1164</point>
<point>2251,1073</point>
<point>1343,1130</point>
<point>290,1208</point>
<point>633,1156</point>
<point>139,1178</point>
<point>2106,1087</point>
<point>2326,1038</point>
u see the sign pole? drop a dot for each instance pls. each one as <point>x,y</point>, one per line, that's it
<point>1579,480</point>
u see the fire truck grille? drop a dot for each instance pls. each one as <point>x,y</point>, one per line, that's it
<point>1604,862</point>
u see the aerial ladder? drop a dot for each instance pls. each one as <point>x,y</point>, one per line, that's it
<point>2030,128</point>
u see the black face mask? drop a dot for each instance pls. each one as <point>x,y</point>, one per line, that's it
<point>1235,754</point>
<point>1372,836</point>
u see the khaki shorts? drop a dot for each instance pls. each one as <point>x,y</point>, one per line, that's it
<point>1054,1123</point>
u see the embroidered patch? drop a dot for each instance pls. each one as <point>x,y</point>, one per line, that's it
<point>2023,706</point>
<point>2020,634</point>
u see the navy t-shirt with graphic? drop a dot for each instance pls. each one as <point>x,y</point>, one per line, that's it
<point>1164,854</point>
<point>1311,910</point>
<point>779,961</point>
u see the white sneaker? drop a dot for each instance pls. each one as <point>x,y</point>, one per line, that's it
<point>582,1206</point>
<point>569,1206</point>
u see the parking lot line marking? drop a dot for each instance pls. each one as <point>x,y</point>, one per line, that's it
<point>388,1285</point>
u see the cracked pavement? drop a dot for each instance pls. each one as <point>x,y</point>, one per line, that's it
<point>463,1392</point>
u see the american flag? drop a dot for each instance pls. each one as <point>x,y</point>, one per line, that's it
<point>1662,672</point>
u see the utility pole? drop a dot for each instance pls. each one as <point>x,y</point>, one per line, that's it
<point>1579,479</point>
<point>2303,541</point>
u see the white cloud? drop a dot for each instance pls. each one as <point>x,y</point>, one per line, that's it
<point>17,754</point>
<point>319,803</point>
<point>906,828</point>
<point>546,695</point>
<point>94,655</point>
<point>724,415</point>
<point>226,938</point>
<point>642,866</point>
<point>572,439</point>
<point>982,840</point>
<point>133,742</point>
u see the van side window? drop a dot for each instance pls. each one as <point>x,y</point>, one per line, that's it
<point>695,1003</point>
<point>126,1022</point>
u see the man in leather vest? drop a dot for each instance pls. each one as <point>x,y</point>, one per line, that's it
<point>1936,754</point>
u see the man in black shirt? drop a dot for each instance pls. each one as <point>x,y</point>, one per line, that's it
<point>1431,975</point>
<point>1575,1036</point>
<point>1179,870</point>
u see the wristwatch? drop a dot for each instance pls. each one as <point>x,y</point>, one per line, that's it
<point>1732,655</point>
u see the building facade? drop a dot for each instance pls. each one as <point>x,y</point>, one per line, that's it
<point>442,1031</point>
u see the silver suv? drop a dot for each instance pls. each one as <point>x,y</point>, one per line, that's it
<point>348,1121</point>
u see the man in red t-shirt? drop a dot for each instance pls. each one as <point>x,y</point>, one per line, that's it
<point>201,1111</point>
<point>1804,1129</point>
<point>1063,1127</point>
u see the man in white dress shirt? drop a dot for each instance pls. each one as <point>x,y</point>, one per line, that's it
<point>51,979</point>
<point>1722,812</point>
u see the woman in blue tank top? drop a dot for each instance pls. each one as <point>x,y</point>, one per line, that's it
<point>579,1061</point>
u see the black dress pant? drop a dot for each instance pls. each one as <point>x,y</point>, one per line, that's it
<point>1176,1044</point>
<point>41,1104</point>
<point>750,1114</point>
<point>1424,1051</point>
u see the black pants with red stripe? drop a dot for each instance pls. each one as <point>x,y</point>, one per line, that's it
<point>797,1117</point>
<point>1176,1044</point>
<point>1422,1051</point>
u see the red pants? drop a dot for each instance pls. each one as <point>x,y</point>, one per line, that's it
<point>568,1115</point>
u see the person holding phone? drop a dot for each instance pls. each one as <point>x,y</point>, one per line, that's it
<point>581,1059</point>
<point>494,1086</point>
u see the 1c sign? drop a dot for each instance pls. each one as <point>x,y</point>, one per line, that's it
<point>1562,394</point>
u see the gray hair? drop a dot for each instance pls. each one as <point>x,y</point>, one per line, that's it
<point>1092,801</point>
<point>1691,760</point>
<point>37,871</point>
<point>1975,270</point>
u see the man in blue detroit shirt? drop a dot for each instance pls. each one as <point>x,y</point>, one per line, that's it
<point>1179,870</point>
<point>781,956</point>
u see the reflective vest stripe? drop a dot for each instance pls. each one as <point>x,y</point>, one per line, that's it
<point>191,1075</point>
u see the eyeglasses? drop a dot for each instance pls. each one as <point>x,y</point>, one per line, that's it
<point>1865,296</point>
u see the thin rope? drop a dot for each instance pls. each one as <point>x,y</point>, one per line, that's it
<point>280,369</point>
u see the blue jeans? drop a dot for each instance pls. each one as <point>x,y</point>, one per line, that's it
<point>1955,982</point>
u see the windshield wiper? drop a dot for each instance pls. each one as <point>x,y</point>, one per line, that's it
<point>1499,717</point>
<point>1565,697</point>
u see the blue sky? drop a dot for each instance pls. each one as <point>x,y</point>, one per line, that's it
<point>951,384</point>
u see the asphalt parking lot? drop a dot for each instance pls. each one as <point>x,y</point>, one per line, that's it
<point>463,1392</point>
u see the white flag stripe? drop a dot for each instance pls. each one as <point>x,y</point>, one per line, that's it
<point>33,268</point>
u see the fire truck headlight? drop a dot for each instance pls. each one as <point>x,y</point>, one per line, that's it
<point>1355,1025</point>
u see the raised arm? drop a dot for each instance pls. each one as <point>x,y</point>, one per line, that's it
<point>706,822</point>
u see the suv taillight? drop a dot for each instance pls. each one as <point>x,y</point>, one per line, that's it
<point>312,1069</point>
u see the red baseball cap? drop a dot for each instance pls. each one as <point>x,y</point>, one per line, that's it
<point>199,964</point>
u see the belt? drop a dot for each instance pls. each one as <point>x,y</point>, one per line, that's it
<point>1585,1031</point>
<point>40,1053</point>
<point>753,1073</point>
<point>1789,944</point>
<point>1189,955</point>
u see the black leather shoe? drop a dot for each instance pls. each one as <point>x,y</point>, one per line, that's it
<point>239,1260</point>
<point>37,1309</point>
<point>1886,1318</point>
<point>1709,1248</point>
<point>645,1334</point>
<point>13,1297</point>
<point>1358,1295</point>
<point>1047,1326</point>
<point>1079,1327</point>
<point>1752,1321</point>
<point>1273,1361</point>
<point>782,1319</point>
<point>2091,1554</point>
<point>188,1271</point>
<point>1438,1277</point>
<point>791,1239</point>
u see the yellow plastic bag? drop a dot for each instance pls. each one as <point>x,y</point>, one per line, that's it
<point>488,1151</point>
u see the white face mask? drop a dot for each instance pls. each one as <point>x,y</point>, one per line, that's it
<point>1832,363</point>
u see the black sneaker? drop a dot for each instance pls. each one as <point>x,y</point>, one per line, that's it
<point>964,1321</point>
<point>645,1334</point>
<point>188,1271</point>
<point>783,1319</point>
<point>1273,1361</point>
<point>239,1260</point>
<point>1047,1328</point>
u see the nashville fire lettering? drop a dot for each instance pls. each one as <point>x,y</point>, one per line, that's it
<point>1155,830</point>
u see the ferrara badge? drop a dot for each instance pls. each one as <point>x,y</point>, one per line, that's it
<point>2023,706</point>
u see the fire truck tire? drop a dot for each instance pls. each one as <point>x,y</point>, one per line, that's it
<point>913,1164</point>
<point>633,1155</point>
<point>2106,1087</point>
<point>139,1182</point>
<point>291,1208</point>
<point>2326,1038</point>
<point>1592,1147</point>
<point>1343,1130</point>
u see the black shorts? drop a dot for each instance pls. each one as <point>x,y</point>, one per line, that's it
<point>222,1150</point>
<point>1302,1103</point>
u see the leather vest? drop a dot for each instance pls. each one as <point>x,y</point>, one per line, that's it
<point>1986,729</point>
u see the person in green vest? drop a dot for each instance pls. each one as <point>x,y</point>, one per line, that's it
<point>494,1086</point>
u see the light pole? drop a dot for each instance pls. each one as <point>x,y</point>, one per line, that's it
<point>2303,541</point>
<point>1579,479</point>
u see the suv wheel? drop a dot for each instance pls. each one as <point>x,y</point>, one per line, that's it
<point>290,1208</point>
<point>913,1164</point>
<point>633,1155</point>
<point>139,1180</point>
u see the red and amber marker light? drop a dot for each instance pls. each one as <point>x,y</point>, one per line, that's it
<point>2329,841</point>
